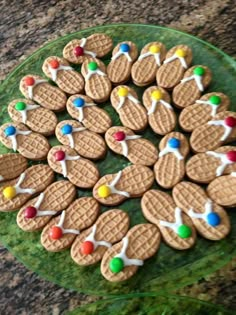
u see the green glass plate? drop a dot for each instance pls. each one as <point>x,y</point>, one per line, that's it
<point>168,269</point>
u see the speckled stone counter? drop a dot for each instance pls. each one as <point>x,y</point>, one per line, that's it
<point>28,25</point>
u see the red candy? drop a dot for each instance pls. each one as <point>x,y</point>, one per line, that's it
<point>230,121</point>
<point>30,212</point>
<point>231,156</point>
<point>119,136</point>
<point>29,81</point>
<point>56,233</point>
<point>78,51</point>
<point>59,155</point>
<point>54,64</point>
<point>87,247</point>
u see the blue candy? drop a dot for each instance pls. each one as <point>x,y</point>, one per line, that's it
<point>66,129</point>
<point>10,131</point>
<point>79,102</point>
<point>174,143</point>
<point>213,219</point>
<point>124,47</point>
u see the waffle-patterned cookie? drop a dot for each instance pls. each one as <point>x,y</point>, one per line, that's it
<point>97,83</point>
<point>131,182</point>
<point>196,79</point>
<point>123,56</point>
<point>11,165</point>
<point>206,166</point>
<point>177,60</point>
<point>210,219</point>
<point>90,246</point>
<point>121,261</point>
<point>203,110</point>
<point>143,71</point>
<point>14,193</point>
<point>61,231</point>
<point>19,138</point>
<point>59,70</point>
<point>161,115</point>
<point>170,167</point>
<point>37,118</point>
<point>36,213</point>
<point>132,114</point>
<point>211,135</point>
<point>96,45</point>
<point>80,172</point>
<point>175,226</point>
<point>87,143</point>
<point>36,88</point>
<point>124,141</point>
<point>83,109</point>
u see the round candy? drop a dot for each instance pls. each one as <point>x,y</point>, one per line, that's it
<point>55,233</point>
<point>124,47</point>
<point>213,219</point>
<point>10,131</point>
<point>230,121</point>
<point>231,156</point>
<point>59,155</point>
<point>116,265</point>
<point>66,129</point>
<point>30,212</point>
<point>79,102</point>
<point>54,64</point>
<point>87,248</point>
<point>78,51</point>
<point>154,49</point>
<point>156,95</point>
<point>215,100</point>
<point>104,191</point>
<point>199,71</point>
<point>119,136</point>
<point>29,81</point>
<point>180,53</point>
<point>92,66</point>
<point>9,192</point>
<point>174,143</point>
<point>123,92</point>
<point>20,106</point>
<point>184,231</point>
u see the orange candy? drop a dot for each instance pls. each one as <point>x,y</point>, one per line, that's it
<point>87,247</point>
<point>54,64</point>
<point>56,233</point>
<point>29,81</point>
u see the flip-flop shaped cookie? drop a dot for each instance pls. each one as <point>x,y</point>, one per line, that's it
<point>18,137</point>
<point>37,212</point>
<point>59,70</point>
<point>211,135</point>
<point>37,118</point>
<point>66,161</point>
<point>90,246</point>
<point>83,109</point>
<point>210,219</point>
<point>204,167</point>
<point>175,226</point>
<point>61,231</point>
<point>161,115</point>
<point>11,166</point>
<point>131,182</point>
<point>96,45</point>
<point>36,88</point>
<point>203,110</point>
<point>196,79</point>
<point>122,260</point>
<point>122,140</point>
<point>144,70</point>
<point>177,60</point>
<point>14,193</point>
<point>123,56</point>
<point>170,167</point>
<point>97,83</point>
<point>87,143</point>
<point>132,114</point>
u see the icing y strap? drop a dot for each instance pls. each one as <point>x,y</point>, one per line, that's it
<point>127,261</point>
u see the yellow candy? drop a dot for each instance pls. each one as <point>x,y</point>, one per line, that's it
<point>154,49</point>
<point>156,95</point>
<point>9,192</point>
<point>180,53</point>
<point>104,191</point>
<point>123,92</point>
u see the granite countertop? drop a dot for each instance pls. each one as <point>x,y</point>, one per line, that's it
<point>26,26</point>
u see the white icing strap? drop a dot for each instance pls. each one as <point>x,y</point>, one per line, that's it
<point>178,221</point>
<point>38,204</point>
<point>221,123</point>
<point>91,238</point>
<point>123,98</point>
<point>224,161</point>
<point>181,59</point>
<point>20,190</point>
<point>147,54</point>
<point>70,136</point>
<point>198,80</point>
<point>87,52</point>
<point>154,106</point>
<point>127,261</point>
<point>92,72</point>
<point>208,209</point>
<point>1,177</point>
<point>14,139</point>
<point>125,149</point>
<point>233,174</point>
<point>213,107</point>
<point>113,184</point>
<point>63,163</point>
<point>119,53</point>
<point>24,111</point>
<point>54,71</point>
<point>66,231</point>
<point>168,149</point>
<point>31,88</point>
<point>81,111</point>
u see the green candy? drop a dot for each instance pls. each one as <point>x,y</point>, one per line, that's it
<point>184,231</point>
<point>20,106</point>
<point>215,100</point>
<point>199,71</point>
<point>116,265</point>
<point>92,66</point>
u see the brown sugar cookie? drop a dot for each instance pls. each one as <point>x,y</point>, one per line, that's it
<point>59,70</point>
<point>131,182</point>
<point>210,219</point>
<point>11,165</point>
<point>87,143</point>
<point>90,246</point>
<point>96,45</point>
<point>143,71</point>
<point>170,167</point>
<point>161,116</point>
<point>80,172</point>
<point>122,140</point>
<point>203,110</point>
<point>177,60</point>
<point>19,138</point>
<point>132,114</point>
<point>61,231</point>
<point>37,118</point>
<point>14,193</point>
<point>196,79</point>
<point>123,56</point>
<point>37,212</point>
<point>121,261</point>
<point>175,226</point>
<point>83,109</point>
<point>36,88</point>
